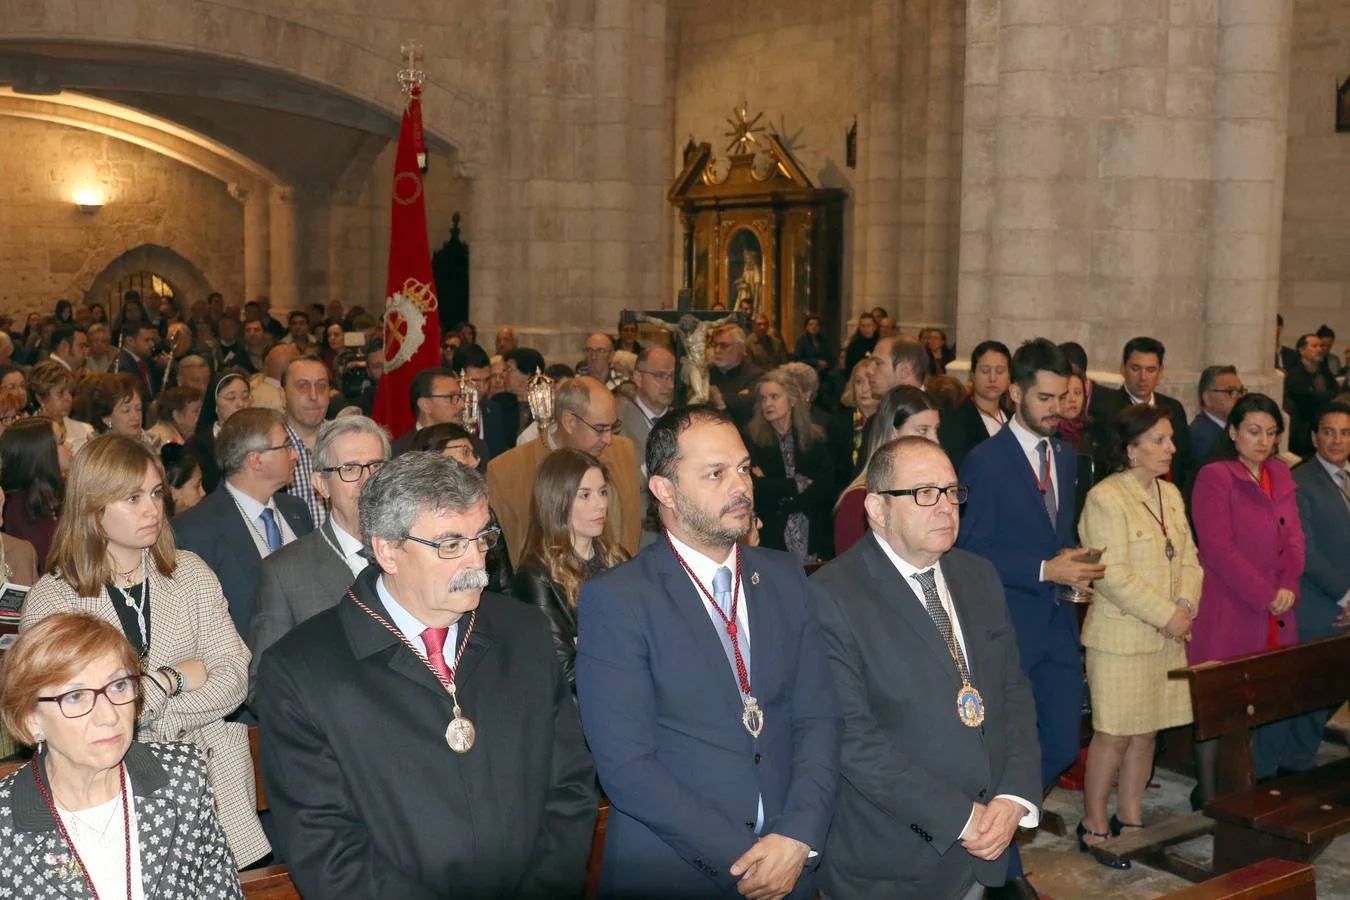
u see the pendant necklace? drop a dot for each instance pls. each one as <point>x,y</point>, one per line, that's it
<point>969,703</point>
<point>79,863</point>
<point>460,734</point>
<point>139,606</point>
<point>752,717</point>
<point>1161,518</point>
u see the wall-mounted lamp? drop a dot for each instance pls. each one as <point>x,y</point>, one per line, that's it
<point>88,201</point>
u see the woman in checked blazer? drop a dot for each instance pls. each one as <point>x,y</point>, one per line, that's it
<point>114,557</point>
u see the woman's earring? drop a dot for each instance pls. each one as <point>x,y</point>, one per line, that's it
<point>41,743</point>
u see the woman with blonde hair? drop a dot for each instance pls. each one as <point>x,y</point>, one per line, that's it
<point>792,468</point>
<point>114,557</point>
<point>96,813</point>
<point>570,539</point>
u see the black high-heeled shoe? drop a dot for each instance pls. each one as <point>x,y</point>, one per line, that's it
<point>1083,832</point>
<point>1118,826</point>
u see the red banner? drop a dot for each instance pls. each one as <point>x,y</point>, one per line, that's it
<point>412,327</point>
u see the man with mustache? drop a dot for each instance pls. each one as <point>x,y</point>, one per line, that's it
<point>419,739</point>
<point>1020,518</point>
<point>705,693</point>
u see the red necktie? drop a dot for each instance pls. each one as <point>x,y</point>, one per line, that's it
<point>434,638</point>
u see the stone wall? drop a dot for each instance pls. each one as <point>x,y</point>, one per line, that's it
<point>49,249</point>
<point>810,68</point>
<point>1315,263</point>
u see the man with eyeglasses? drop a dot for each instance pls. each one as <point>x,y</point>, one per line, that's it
<point>1021,518</point>
<point>735,377</point>
<point>598,360</point>
<point>1220,388</point>
<point>435,398</point>
<point>444,700</point>
<point>654,378</point>
<point>308,576</point>
<point>585,417</point>
<point>912,624</point>
<point>245,520</point>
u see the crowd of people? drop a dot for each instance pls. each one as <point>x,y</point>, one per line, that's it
<point>454,640</point>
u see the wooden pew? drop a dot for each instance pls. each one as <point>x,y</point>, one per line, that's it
<point>1269,879</point>
<point>1291,818</point>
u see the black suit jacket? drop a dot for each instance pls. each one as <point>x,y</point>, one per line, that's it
<point>215,531</point>
<point>1107,402</point>
<point>500,424</point>
<point>1304,394</point>
<point>911,771</point>
<point>533,586</point>
<point>368,799</point>
<point>961,430</point>
<point>738,386</point>
<point>776,495</point>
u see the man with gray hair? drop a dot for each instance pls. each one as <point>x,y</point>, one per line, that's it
<point>309,576</point>
<point>419,737</point>
<point>734,376</point>
<point>1220,389</point>
<point>246,519</point>
<point>585,417</point>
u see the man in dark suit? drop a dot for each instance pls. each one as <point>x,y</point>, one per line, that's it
<point>419,740</point>
<point>138,346</point>
<point>496,431</point>
<point>1323,493</point>
<point>1285,357</point>
<point>1220,389</point>
<point>909,624</point>
<point>246,519</point>
<point>705,692</point>
<point>304,578</point>
<point>1020,517</point>
<point>1141,367</point>
<point>735,377</point>
<point>980,415</point>
<point>1307,387</point>
<point>435,398</point>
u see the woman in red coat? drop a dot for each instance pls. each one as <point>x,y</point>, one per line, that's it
<point>1251,549</point>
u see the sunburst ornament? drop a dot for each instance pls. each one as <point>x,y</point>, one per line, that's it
<point>743,130</point>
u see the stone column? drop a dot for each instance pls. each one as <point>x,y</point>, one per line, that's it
<point>257,239</point>
<point>879,136</point>
<point>611,250</point>
<point>285,250</point>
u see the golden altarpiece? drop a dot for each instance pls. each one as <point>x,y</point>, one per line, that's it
<point>758,231</point>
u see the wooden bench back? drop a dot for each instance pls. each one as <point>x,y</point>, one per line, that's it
<point>1238,695</point>
<point>270,883</point>
<point>1269,879</point>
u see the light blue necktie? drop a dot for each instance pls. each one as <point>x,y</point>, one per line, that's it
<point>270,529</point>
<point>722,595</point>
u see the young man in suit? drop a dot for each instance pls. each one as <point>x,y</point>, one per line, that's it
<point>246,519</point>
<point>436,398</point>
<point>1141,367</point>
<point>135,357</point>
<point>1020,518</point>
<point>911,623</point>
<point>496,431</point>
<point>704,690</point>
<point>446,701</point>
<point>1323,494</point>
<point>310,575</point>
<point>1220,388</point>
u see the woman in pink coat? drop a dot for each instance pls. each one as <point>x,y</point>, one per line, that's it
<point>1251,549</point>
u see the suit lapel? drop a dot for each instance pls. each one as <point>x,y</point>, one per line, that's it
<point>368,637</point>
<point>957,587</point>
<point>1027,478</point>
<point>1066,468</point>
<point>900,598</point>
<point>687,603</point>
<point>757,598</point>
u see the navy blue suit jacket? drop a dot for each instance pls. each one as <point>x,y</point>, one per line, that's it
<point>1326,571</point>
<point>662,713</point>
<point>1005,522</point>
<point>215,531</point>
<point>1205,435</point>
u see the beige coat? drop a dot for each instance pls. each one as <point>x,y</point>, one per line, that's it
<point>1139,593</point>
<point>511,484</point>
<point>189,619</point>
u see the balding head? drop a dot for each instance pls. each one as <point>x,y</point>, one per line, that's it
<point>586,414</point>
<point>278,358</point>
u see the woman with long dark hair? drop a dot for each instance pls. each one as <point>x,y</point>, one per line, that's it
<point>863,341</point>
<point>228,394</point>
<point>904,411</point>
<point>31,462</point>
<point>1252,550</point>
<point>793,470</point>
<point>182,479</point>
<point>64,314</point>
<point>570,539</point>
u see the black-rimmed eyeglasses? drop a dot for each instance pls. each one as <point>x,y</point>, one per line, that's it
<point>80,702</point>
<point>1233,392</point>
<point>607,428</point>
<point>454,548</point>
<point>928,494</point>
<point>350,472</point>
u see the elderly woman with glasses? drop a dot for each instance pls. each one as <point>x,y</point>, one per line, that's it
<point>94,810</point>
<point>114,557</point>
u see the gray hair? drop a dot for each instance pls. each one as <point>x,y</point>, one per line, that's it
<point>192,359</point>
<point>574,395</point>
<point>333,431</point>
<point>804,376</point>
<point>1211,375</point>
<point>735,333</point>
<point>411,485</point>
<point>247,431</point>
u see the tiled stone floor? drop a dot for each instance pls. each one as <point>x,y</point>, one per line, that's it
<point>1061,872</point>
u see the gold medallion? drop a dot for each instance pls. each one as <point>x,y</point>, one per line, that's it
<point>460,734</point>
<point>970,706</point>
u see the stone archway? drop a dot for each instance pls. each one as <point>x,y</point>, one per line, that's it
<point>187,281</point>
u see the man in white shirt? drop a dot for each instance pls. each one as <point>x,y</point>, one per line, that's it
<point>310,575</point>
<point>929,799</point>
<point>70,347</point>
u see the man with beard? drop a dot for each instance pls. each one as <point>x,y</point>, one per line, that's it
<point>1020,518</point>
<point>705,693</point>
<point>419,739</point>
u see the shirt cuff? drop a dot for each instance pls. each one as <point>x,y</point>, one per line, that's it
<point>1040,573</point>
<point>1031,819</point>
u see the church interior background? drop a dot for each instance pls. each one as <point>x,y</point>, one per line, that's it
<point>998,168</point>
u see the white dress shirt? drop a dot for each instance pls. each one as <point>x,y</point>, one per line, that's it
<point>412,627</point>
<point>1028,441</point>
<point>1152,398</point>
<point>909,573</point>
<point>349,549</point>
<point>252,511</point>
